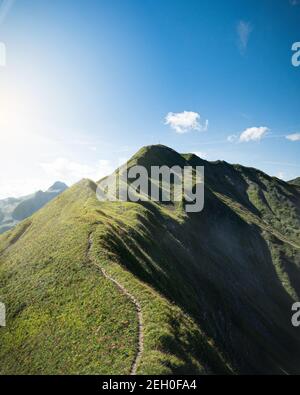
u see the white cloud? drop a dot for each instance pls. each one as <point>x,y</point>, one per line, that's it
<point>183,122</point>
<point>63,169</point>
<point>16,187</point>
<point>293,137</point>
<point>244,30</point>
<point>93,148</point>
<point>232,138</point>
<point>253,134</point>
<point>280,175</point>
<point>201,154</point>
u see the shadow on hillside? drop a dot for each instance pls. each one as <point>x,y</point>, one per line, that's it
<point>219,269</point>
<point>195,347</point>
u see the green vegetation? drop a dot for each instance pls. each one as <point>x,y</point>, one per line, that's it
<point>62,314</point>
<point>64,317</point>
<point>296,181</point>
<point>215,287</point>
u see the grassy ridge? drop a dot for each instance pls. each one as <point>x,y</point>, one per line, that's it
<point>215,287</point>
<point>64,317</point>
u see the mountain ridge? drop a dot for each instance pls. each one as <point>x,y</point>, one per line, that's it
<point>215,287</point>
<point>296,181</point>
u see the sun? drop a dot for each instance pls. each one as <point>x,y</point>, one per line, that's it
<point>18,115</point>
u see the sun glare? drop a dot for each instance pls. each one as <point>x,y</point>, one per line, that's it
<point>18,116</point>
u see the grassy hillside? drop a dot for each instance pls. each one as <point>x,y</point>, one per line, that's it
<point>65,317</point>
<point>215,287</point>
<point>296,181</point>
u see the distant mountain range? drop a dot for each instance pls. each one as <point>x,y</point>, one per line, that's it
<point>14,210</point>
<point>120,287</point>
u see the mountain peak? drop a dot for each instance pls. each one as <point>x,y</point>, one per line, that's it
<point>154,150</point>
<point>58,186</point>
<point>206,275</point>
<point>157,155</point>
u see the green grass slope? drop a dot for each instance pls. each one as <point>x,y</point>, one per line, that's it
<point>296,181</point>
<point>64,317</point>
<point>61,312</point>
<point>215,287</point>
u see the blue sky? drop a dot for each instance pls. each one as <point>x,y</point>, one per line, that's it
<point>87,83</point>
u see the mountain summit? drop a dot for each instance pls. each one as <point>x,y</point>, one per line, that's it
<point>119,287</point>
<point>58,187</point>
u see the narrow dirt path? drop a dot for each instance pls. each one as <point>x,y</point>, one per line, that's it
<point>137,305</point>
